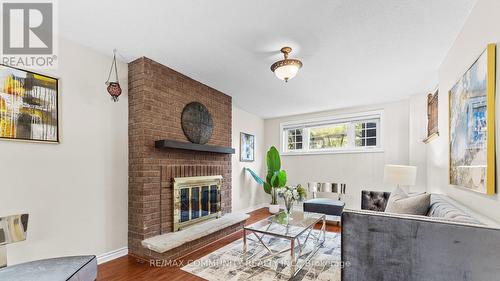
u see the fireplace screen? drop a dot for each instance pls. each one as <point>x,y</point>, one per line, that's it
<point>196,199</point>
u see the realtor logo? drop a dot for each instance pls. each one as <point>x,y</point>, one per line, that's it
<point>28,34</point>
<point>27,28</point>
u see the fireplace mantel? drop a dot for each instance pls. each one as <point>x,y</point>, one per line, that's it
<point>193,146</point>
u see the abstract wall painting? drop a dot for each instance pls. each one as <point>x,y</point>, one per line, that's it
<point>247,147</point>
<point>28,106</point>
<point>472,126</point>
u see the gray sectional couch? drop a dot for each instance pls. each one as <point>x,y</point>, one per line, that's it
<point>450,243</point>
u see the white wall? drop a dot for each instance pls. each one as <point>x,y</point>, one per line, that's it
<point>358,170</point>
<point>246,194</point>
<point>482,27</point>
<point>417,133</point>
<point>75,192</point>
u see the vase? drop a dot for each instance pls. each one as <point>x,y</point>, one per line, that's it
<point>274,208</point>
<point>289,206</point>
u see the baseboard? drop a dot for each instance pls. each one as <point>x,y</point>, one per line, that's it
<point>253,208</point>
<point>109,256</point>
<point>296,206</point>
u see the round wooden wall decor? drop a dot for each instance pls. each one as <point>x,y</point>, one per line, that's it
<point>197,123</point>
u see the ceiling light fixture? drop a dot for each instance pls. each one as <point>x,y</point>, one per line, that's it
<point>286,69</point>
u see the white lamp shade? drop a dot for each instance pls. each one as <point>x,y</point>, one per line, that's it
<point>399,174</point>
<point>286,72</point>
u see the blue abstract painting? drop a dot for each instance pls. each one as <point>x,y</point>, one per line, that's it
<point>468,128</point>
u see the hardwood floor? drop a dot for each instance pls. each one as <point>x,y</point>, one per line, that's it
<point>127,268</point>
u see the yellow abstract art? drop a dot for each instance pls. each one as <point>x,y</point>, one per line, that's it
<point>28,106</point>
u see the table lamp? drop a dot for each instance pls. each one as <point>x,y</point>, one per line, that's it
<point>400,175</point>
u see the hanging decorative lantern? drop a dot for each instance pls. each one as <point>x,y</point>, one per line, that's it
<point>114,88</point>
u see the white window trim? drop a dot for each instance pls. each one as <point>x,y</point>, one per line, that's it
<point>350,117</point>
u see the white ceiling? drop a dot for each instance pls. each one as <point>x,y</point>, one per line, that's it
<point>355,52</point>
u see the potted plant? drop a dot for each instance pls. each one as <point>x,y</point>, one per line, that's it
<point>275,178</point>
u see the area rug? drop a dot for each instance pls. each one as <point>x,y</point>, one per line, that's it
<point>226,264</point>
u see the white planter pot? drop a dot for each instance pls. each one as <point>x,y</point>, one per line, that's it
<point>274,209</point>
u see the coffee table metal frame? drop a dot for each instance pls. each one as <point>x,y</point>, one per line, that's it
<point>295,243</point>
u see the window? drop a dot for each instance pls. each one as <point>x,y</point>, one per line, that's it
<point>295,139</point>
<point>366,133</point>
<point>349,133</point>
<point>332,136</point>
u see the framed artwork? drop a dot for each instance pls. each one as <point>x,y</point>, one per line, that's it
<point>28,106</point>
<point>247,147</point>
<point>432,116</point>
<point>472,126</point>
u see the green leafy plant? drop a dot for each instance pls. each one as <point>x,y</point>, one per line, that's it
<point>275,177</point>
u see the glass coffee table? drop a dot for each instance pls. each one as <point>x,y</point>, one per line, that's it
<point>297,228</point>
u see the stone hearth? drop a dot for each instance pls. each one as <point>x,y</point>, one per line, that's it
<point>193,236</point>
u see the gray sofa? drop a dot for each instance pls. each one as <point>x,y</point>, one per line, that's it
<point>77,268</point>
<point>450,243</point>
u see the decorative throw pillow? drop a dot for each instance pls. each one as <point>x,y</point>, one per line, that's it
<point>401,203</point>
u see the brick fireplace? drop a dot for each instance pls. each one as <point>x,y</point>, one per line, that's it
<point>157,96</point>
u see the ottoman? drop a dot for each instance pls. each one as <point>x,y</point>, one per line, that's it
<point>330,207</point>
<point>78,268</point>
